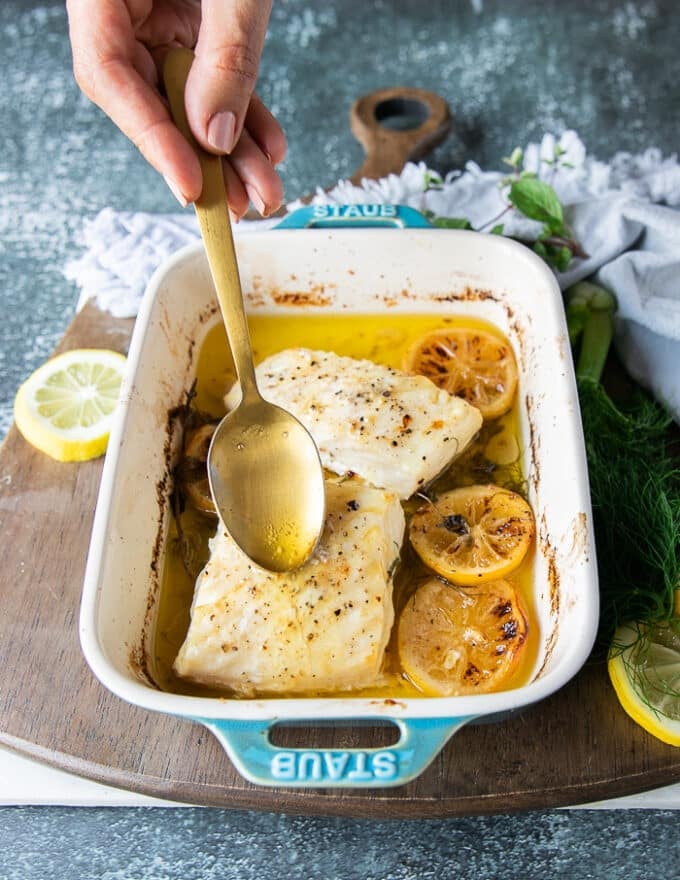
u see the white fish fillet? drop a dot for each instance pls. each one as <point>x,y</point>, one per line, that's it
<point>323,627</point>
<point>395,430</point>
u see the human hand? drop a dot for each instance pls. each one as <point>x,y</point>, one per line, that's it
<point>118,47</point>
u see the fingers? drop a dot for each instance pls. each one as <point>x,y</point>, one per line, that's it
<point>116,69</point>
<point>223,75</point>
<point>266,131</point>
<point>237,197</point>
<point>260,181</point>
<point>118,75</point>
<point>139,112</point>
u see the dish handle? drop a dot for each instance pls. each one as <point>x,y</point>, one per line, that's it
<point>341,216</point>
<point>253,754</point>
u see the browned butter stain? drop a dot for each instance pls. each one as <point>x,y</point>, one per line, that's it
<point>140,654</point>
<point>316,295</point>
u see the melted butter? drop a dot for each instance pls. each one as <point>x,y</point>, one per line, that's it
<point>384,339</point>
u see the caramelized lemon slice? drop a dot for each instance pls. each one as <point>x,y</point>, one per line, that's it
<point>193,469</point>
<point>66,406</point>
<point>474,364</point>
<point>474,534</point>
<point>454,642</point>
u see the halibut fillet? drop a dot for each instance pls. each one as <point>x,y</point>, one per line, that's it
<point>395,430</point>
<point>321,628</point>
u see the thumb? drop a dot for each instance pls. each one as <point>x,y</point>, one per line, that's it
<point>223,75</point>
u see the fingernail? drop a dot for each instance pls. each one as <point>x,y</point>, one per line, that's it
<point>221,131</point>
<point>256,199</point>
<point>175,190</point>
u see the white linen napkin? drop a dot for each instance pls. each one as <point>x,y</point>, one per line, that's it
<point>623,213</point>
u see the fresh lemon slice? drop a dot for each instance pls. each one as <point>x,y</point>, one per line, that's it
<point>473,534</point>
<point>65,407</point>
<point>644,667</point>
<point>474,364</point>
<point>455,642</point>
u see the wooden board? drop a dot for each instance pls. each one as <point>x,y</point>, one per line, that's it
<point>577,746</point>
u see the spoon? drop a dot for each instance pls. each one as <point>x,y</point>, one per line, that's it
<point>264,469</point>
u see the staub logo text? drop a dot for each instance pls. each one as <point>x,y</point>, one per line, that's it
<point>302,766</point>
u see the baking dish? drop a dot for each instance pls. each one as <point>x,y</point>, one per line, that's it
<point>316,262</point>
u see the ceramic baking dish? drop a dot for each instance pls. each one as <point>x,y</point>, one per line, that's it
<point>329,268</point>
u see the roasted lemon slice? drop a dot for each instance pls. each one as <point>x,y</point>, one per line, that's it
<point>474,534</point>
<point>477,365</point>
<point>644,668</point>
<point>66,406</point>
<point>193,469</point>
<point>455,642</point>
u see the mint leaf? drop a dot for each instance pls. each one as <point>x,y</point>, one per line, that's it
<point>496,230</point>
<point>432,180</point>
<point>452,223</point>
<point>561,258</point>
<point>514,159</point>
<point>537,201</point>
<point>555,255</point>
<point>540,249</point>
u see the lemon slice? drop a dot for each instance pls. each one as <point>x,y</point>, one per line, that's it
<point>473,534</point>
<point>477,365</point>
<point>454,642</point>
<point>644,668</point>
<point>193,470</point>
<point>65,407</point>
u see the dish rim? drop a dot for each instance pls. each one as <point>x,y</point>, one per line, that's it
<point>277,709</point>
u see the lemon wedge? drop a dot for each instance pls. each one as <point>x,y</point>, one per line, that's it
<point>644,668</point>
<point>65,407</point>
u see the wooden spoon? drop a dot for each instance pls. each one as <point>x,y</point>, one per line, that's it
<point>264,468</point>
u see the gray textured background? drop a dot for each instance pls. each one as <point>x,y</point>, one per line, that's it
<point>509,72</point>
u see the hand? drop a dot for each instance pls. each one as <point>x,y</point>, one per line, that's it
<point>118,47</point>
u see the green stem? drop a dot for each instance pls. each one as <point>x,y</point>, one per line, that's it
<point>590,311</point>
<point>597,336</point>
<point>577,312</point>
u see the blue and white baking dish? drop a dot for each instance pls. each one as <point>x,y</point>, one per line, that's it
<point>334,262</point>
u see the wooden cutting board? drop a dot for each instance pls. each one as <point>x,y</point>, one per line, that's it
<point>577,746</point>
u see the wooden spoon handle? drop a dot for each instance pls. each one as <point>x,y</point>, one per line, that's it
<point>388,149</point>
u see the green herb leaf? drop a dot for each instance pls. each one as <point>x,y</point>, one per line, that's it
<point>514,159</point>
<point>432,180</point>
<point>496,230</point>
<point>540,249</point>
<point>635,492</point>
<point>452,223</point>
<point>560,257</point>
<point>537,201</point>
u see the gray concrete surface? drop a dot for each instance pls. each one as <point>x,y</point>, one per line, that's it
<point>197,844</point>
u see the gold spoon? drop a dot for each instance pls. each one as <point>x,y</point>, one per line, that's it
<point>264,469</point>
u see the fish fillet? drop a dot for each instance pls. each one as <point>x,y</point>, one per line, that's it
<point>395,430</point>
<point>323,627</point>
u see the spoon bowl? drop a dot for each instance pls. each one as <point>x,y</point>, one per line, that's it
<point>271,453</point>
<point>264,469</point>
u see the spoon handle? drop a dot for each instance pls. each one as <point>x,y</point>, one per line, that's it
<point>213,218</point>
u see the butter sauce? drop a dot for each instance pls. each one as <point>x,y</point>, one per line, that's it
<point>494,456</point>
